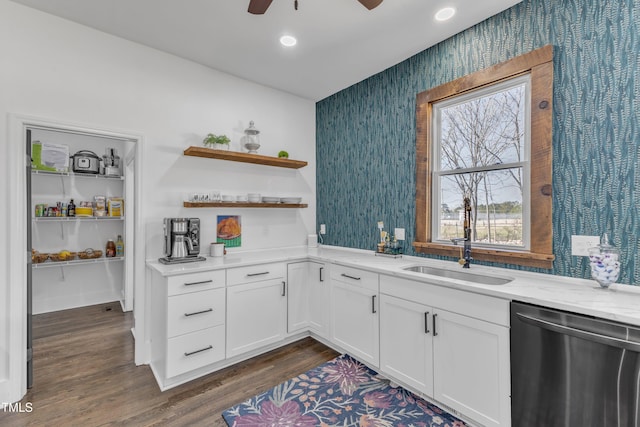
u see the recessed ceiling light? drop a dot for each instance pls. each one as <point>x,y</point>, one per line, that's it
<point>288,41</point>
<point>445,14</point>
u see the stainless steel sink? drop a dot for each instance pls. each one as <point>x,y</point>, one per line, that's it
<point>459,275</point>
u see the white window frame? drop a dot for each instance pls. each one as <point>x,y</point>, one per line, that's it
<point>525,163</point>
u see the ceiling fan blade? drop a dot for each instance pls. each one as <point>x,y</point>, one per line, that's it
<point>370,4</point>
<point>258,7</point>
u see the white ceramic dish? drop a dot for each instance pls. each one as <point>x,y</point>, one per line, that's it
<point>293,200</point>
<point>266,199</point>
<point>242,198</point>
<point>227,198</point>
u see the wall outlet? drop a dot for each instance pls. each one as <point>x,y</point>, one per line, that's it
<point>323,229</point>
<point>580,244</point>
<point>399,233</point>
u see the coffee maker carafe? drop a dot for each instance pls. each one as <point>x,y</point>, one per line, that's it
<point>181,240</point>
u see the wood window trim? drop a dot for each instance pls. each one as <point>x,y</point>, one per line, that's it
<point>539,64</point>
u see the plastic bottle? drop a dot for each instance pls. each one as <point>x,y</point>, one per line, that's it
<point>119,246</point>
<point>111,249</point>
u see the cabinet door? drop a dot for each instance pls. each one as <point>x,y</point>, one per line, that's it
<point>297,296</point>
<point>355,320</point>
<point>256,315</point>
<point>471,367</point>
<point>406,343</point>
<point>319,307</point>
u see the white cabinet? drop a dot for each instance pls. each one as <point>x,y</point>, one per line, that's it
<point>406,342</point>
<point>256,307</point>
<point>460,359</point>
<point>307,298</point>
<point>471,367</point>
<point>354,309</point>
<point>319,302</point>
<point>188,323</point>
<point>298,302</point>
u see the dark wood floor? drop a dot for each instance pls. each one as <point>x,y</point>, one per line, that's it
<point>85,376</point>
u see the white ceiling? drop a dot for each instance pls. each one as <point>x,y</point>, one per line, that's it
<point>340,42</point>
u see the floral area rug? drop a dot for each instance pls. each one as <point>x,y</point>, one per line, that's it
<point>340,392</point>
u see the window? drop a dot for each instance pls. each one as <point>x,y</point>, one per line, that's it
<point>487,136</point>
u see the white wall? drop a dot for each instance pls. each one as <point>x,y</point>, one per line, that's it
<point>57,70</point>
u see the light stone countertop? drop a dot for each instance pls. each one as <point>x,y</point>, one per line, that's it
<point>619,302</point>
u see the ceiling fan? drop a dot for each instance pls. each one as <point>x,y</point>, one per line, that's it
<point>258,7</point>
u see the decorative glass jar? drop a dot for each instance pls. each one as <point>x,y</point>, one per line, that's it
<point>604,260</point>
<point>251,138</point>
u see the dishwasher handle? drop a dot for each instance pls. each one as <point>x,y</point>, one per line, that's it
<point>579,333</point>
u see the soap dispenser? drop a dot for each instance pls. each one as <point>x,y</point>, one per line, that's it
<point>604,260</point>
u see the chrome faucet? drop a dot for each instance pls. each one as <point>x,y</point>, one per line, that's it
<point>466,258</point>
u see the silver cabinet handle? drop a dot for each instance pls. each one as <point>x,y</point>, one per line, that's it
<point>199,283</point>
<point>350,277</point>
<point>426,322</point>
<point>321,271</point>
<point>435,334</point>
<point>191,353</point>
<point>373,304</point>
<point>199,312</point>
<point>578,333</point>
<point>257,274</point>
<point>284,288</point>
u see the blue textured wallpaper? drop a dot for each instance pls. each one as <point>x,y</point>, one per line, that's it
<point>366,133</point>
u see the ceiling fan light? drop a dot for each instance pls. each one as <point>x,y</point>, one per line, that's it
<point>445,14</point>
<point>288,41</point>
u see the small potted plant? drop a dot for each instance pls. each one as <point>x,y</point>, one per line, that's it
<point>283,154</point>
<point>217,142</point>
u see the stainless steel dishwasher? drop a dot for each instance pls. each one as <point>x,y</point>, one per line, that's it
<point>572,370</point>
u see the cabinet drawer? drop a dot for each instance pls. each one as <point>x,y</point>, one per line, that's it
<point>195,350</point>
<point>194,311</point>
<point>355,277</point>
<point>255,273</point>
<point>483,307</point>
<point>195,282</point>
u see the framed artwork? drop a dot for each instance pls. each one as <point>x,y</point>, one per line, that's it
<point>229,230</point>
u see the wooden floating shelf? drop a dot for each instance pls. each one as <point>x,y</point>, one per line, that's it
<point>236,156</point>
<point>242,205</point>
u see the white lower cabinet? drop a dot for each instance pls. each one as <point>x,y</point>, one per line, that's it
<point>307,298</point>
<point>459,359</point>
<point>406,343</point>
<point>298,296</point>
<point>194,350</point>
<point>256,311</point>
<point>188,323</point>
<point>354,309</point>
<point>447,344</point>
<point>471,367</point>
<point>318,286</point>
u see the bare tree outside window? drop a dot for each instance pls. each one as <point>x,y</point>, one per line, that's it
<point>481,146</point>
